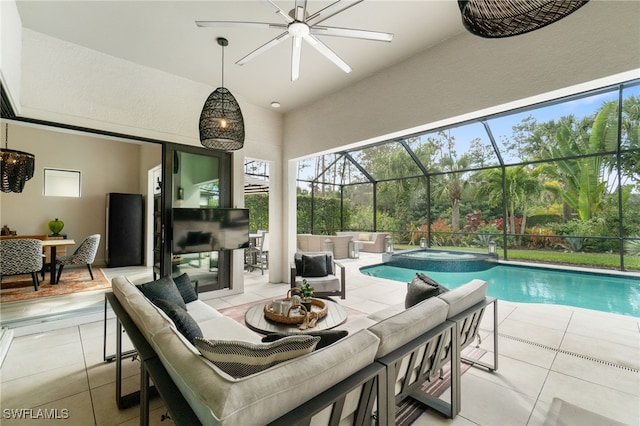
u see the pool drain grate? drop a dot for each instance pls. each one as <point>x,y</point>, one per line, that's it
<point>577,355</point>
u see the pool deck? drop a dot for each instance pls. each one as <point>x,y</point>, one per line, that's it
<point>558,365</point>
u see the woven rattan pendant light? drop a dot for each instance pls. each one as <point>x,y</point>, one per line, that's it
<point>506,18</point>
<point>16,167</point>
<point>221,122</point>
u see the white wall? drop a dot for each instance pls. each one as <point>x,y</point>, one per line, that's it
<point>105,166</point>
<point>466,74</point>
<point>11,51</point>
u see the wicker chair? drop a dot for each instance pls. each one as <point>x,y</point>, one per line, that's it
<point>21,256</point>
<point>84,255</point>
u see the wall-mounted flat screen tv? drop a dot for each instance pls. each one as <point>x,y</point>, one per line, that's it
<point>197,230</point>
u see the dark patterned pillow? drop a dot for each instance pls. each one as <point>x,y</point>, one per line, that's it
<point>241,359</point>
<point>298,262</point>
<point>163,288</point>
<point>431,281</point>
<point>314,265</point>
<point>417,291</point>
<point>185,324</point>
<point>327,337</point>
<point>188,293</point>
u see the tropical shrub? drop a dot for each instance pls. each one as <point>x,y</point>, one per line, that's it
<point>632,247</point>
<point>541,238</point>
<point>441,233</point>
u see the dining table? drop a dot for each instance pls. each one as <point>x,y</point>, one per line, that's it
<point>54,244</point>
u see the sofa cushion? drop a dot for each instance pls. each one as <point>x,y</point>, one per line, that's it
<point>148,318</point>
<point>188,293</point>
<point>417,291</point>
<point>464,297</point>
<point>225,328</point>
<point>163,288</point>
<point>241,359</point>
<point>186,325</point>
<point>402,328</point>
<point>314,265</point>
<point>327,337</point>
<point>363,236</point>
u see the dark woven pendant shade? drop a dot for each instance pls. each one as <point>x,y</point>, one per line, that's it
<point>221,121</point>
<point>506,18</point>
<point>16,167</point>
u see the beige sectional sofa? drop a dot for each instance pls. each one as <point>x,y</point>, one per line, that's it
<point>217,398</point>
<point>372,242</point>
<point>383,358</point>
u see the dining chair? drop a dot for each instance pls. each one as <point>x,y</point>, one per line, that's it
<point>21,256</point>
<point>85,254</point>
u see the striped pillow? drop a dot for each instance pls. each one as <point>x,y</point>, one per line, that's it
<point>240,359</point>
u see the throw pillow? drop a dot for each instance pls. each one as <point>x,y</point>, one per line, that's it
<point>163,288</point>
<point>298,262</point>
<point>327,337</point>
<point>185,324</point>
<point>431,281</point>
<point>364,237</point>
<point>241,359</point>
<point>314,265</point>
<point>188,293</point>
<point>417,291</point>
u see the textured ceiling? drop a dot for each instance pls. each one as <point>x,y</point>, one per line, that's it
<point>163,35</point>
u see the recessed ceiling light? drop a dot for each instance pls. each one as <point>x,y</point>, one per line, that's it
<point>275,104</point>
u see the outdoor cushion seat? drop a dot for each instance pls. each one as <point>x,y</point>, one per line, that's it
<point>331,283</point>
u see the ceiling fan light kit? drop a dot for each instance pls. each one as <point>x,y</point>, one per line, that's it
<point>300,25</point>
<point>221,121</point>
<point>506,18</point>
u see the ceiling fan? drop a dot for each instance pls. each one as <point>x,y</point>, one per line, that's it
<point>300,25</point>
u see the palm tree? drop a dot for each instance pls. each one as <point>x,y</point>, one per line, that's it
<point>452,184</point>
<point>522,186</point>
<point>583,184</point>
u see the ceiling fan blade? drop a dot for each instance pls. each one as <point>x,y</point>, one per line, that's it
<point>352,33</point>
<point>331,10</point>
<point>260,25</point>
<point>300,11</point>
<point>296,50</point>
<point>275,9</point>
<point>328,53</point>
<point>282,37</point>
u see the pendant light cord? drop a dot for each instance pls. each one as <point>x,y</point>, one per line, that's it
<point>222,65</point>
<point>6,135</point>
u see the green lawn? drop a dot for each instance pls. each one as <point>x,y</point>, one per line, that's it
<point>594,260</point>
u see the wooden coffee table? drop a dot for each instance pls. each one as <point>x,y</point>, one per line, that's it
<point>256,321</point>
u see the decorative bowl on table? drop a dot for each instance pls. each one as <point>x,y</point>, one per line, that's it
<point>296,314</point>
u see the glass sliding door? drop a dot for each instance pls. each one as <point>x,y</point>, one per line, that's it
<point>195,178</point>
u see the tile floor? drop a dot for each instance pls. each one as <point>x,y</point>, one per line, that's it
<point>557,365</point>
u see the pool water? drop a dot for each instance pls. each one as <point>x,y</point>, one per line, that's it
<point>601,292</point>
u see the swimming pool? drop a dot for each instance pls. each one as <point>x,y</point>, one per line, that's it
<point>515,283</point>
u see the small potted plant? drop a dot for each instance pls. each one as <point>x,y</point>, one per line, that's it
<point>306,293</point>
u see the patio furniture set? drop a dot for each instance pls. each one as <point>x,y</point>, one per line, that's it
<point>210,369</point>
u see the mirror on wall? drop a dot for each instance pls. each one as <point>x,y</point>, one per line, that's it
<point>62,183</point>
